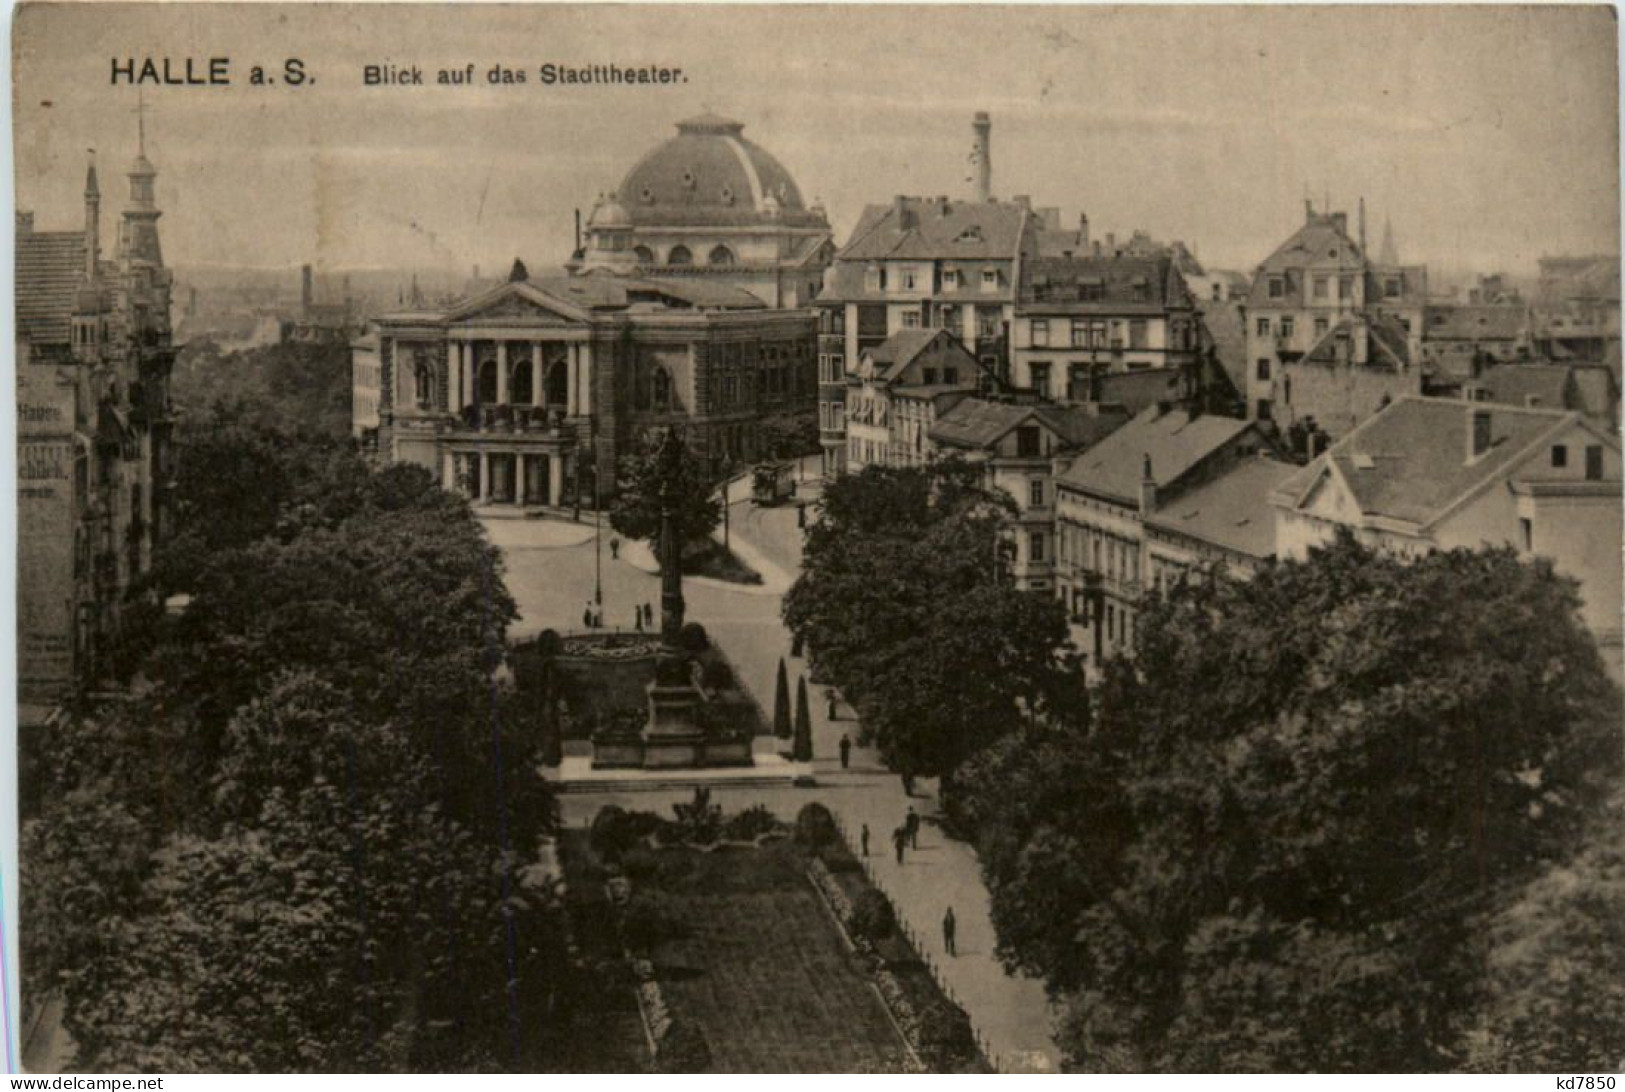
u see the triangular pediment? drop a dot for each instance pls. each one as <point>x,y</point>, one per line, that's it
<point>516,304</point>
<point>1329,498</point>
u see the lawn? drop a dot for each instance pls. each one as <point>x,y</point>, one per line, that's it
<point>753,957</point>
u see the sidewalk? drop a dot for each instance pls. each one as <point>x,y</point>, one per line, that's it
<point>1012,1014</point>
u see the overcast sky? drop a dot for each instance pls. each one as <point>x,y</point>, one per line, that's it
<point>1489,135</point>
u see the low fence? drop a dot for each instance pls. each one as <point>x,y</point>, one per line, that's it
<point>917,942</point>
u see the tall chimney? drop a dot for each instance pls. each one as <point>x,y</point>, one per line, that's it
<point>1148,488</point>
<point>1362,227</point>
<point>1478,431</point>
<point>983,155</point>
<point>1083,230</point>
<point>307,290</point>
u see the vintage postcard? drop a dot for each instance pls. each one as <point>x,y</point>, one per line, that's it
<point>690,538</point>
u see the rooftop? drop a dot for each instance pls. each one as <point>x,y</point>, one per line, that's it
<point>1174,441</point>
<point>1231,511</point>
<point>979,423</point>
<point>50,265</point>
<point>929,228</point>
<point>1152,284</point>
<point>1408,461</point>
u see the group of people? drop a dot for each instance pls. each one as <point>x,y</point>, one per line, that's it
<point>907,836</point>
<point>592,617</point>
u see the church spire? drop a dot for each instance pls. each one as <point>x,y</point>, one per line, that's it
<point>1388,255</point>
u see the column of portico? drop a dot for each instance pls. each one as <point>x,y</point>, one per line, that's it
<point>485,476</point>
<point>584,380</point>
<point>502,373</point>
<point>470,371</point>
<point>555,479</point>
<point>454,381</point>
<point>572,361</point>
<point>538,376</point>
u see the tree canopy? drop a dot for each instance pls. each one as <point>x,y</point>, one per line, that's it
<point>635,512</point>
<point>1274,842</point>
<point>903,600</point>
<point>303,843</point>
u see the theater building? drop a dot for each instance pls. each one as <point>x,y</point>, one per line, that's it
<point>526,394</point>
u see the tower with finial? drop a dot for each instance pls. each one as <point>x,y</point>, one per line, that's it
<point>138,239</point>
<point>93,218</point>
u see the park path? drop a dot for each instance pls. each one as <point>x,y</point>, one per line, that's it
<point>550,582</point>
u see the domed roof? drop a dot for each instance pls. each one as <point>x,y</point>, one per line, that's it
<point>710,174</point>
<point>609,213</point>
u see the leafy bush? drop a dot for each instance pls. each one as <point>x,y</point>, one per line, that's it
<point>549,644</point>
<point>683,1049</point>
<point>815,826</point>
<point>612,832</point>
<point>750,824</point>
<point>699,821</point>
<point>649,920</point>
<point>873,918</point>
<point>693,638</point>
<point>945,1038</point>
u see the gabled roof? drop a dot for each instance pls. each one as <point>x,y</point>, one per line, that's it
<point>1150,284</point>
<point>1175,442</point>
<point>1322,243</point>
<point>891,357</point>
<point>1226,325</point>
<point>1408,462</point>
<point>50,265</point>
<point>1475,323</point>
<point>1231,511</point>
<point>573,298</point>
<point>977,423</point>
<point>929,228</point>
<point>1388,346</point>
<point>1588,389</point>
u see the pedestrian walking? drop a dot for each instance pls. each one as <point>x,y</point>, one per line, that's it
<point>586,618</point>
<point>899,839</point>
<point>614,549</point>
<point>863,839</point>
<point>846,751</point>
<point>908,784</point>
<point>649,614</point>
<point>638,619</point>
<point>911,824</point>
<point>829,697</point>
<point>949,926</point>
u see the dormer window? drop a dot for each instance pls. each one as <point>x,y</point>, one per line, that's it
<point>972,234</point>
<point>990,280</point>
<point>950,278</point>
<point>1277,288</point>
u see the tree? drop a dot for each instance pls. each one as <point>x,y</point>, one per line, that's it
<point>802,749</point>
<point>781,703</point>
<point>635,512</point>
<point>1271,843</point>
<point>788,436</point>
<point>901,601</point>
<point>1555,992</point>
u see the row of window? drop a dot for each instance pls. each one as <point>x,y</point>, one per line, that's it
<point>876,278</point>
<point>681,255</point>
<point>1093,335</point>
<point>1115,557</point>
<point>1320,287</point>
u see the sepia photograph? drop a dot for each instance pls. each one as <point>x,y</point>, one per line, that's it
<point>692,538</point>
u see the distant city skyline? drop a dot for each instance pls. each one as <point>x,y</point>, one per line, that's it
<point>1489,136</point>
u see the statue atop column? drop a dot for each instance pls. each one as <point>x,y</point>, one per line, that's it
<point>669,459</point>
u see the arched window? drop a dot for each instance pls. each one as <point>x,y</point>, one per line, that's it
<point>679,255</point>
<point>660,390</point>
<point>520,374</point>
<point>558,383</point>
<point>486,394</point>
<point>721,255</point>
<point>645,255</point>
